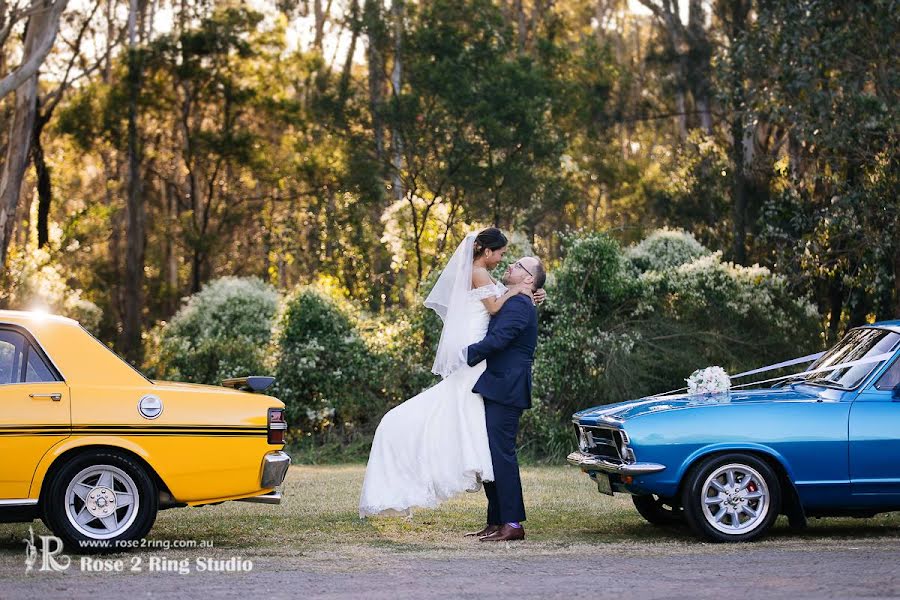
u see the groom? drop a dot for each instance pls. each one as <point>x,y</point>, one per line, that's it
<point>505,386</point>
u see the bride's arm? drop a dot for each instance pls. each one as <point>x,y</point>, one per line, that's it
<point>480,277</point>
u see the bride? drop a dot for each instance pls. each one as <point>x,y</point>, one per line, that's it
<point>435,445</point>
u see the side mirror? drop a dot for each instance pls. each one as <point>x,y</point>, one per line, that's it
<point>895,395</point>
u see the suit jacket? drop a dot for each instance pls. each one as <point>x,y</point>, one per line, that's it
<point>509,348</point>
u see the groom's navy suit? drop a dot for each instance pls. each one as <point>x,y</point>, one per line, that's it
<point>505,386</point>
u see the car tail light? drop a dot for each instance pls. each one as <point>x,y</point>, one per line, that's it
<point>277,426</point>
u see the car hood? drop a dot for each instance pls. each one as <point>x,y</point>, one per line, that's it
<point>623,411</point>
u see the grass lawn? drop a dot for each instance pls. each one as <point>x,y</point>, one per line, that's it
<point>318,521</point>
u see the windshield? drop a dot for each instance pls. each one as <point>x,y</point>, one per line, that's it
<point>858,344</point>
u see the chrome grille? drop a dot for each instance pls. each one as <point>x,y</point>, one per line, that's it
<point>599,441</point>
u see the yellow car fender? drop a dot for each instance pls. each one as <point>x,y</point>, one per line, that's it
<point>70,443</point>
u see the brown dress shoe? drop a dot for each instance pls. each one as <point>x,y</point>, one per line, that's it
<point>488,530</point>
<point>506,533</point>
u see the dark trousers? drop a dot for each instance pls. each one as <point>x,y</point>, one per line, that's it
<point>504,494</point>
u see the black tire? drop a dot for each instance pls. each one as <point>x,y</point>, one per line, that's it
<point>659,511</point>
<point>131,524</point>
<point>701,499</point>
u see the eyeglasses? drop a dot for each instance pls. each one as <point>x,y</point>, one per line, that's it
<point>518,265</point>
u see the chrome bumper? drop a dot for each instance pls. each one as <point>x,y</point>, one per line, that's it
<point>275,467</point>
<point>589,462</point>
<point>270,498</point>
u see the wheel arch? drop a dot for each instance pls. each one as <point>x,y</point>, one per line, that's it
<point>790,498</point>
<point>56,458</point>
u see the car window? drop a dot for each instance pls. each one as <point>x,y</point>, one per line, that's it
<point>12,347</point>
<point>37,370</point>
<point>859,343</point>
<point>891,378</point>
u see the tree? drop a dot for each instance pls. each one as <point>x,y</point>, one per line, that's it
<point>821,70</point>
<point>691,49</point>
<point>42,26</point>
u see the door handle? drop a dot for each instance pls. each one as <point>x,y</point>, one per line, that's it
<point>55,396</point>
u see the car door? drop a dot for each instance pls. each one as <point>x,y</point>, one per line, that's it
<point>875,438</point>
<point>34,410</point>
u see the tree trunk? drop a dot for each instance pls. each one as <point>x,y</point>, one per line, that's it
<point>859,307</point>
<point>42,28</point>
<point>374,31</point>
<point>521,25</point>
<point>896,314</point>
<point>319,16</point>
<point>397,81</point>
<point>17,151</point>
<point>42,174</point>
<point>700,54</point>
<point>344,85</point>
<point>170,256</point>
<point>835,308</point>
<point>681,115</point>
<point>44,187</point>
<point>739,184</point>
<point>135,236</point>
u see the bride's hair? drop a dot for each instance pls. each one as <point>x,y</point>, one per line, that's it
<point>489,239</point>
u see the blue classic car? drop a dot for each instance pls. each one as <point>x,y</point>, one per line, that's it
<point>825,442</point>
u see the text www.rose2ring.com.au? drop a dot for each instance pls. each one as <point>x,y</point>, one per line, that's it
<point>144,544</point>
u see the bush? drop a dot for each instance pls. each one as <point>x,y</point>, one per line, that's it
<point>325,372</point>
<point>616,328</point>
<point>665,249</point>
<point>222,331</point>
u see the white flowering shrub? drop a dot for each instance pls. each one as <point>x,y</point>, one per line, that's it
<point>222,331</point>
<point>751,302</point>
<point>664,249</point>
<point>615,329</point>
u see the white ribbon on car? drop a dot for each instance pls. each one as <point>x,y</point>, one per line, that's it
<point>794,361</point>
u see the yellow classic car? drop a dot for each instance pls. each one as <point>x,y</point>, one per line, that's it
<point>95,449</point>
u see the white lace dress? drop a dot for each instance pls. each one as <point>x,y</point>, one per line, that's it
<point>434,445</point>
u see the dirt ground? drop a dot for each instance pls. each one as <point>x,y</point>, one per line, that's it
<point>580,545</point>
<point>868,570</point>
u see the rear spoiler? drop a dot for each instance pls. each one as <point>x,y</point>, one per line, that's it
<point>252,383</point>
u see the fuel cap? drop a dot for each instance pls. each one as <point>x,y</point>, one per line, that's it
<point>150,406</point>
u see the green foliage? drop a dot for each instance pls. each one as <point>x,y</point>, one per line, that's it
<point>664,249</point>
<point>325,372</point>
<point>696,193</point>
<point>832,218</point>
<point>36,281</point>
<point>621,325</point>
<point>222,331</point>
<point>259,157</point>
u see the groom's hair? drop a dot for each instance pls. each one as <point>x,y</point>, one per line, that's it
<point>540,274</point>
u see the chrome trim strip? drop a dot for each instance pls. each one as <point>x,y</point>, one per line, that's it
<point>270,498</point>
<point>19,502</point>
<point>588,462</point>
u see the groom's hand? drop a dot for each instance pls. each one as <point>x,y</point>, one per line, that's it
<point>539,296</point>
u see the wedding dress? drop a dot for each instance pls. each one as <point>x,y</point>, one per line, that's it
<point>434,445</point>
